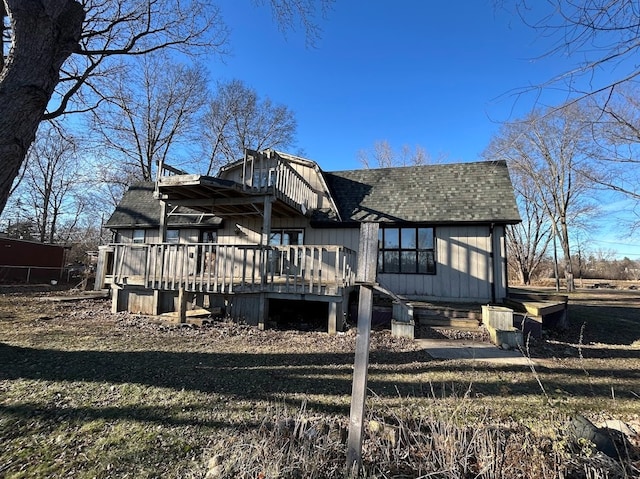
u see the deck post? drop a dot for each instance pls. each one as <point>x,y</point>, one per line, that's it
<point>263,311</point>
<point>115,298</point>
<point>333,318</point>
<point>182,305</point>
<point>163,221</point>
<point>155,306</point>
<point>266,221</point>
<point>366,277</point>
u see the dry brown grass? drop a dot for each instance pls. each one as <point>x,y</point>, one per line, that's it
<point>86,393</point>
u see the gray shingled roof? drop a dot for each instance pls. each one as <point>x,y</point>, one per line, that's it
<point>443,193</point>
<point>139,209</point>
<point>479,192</point>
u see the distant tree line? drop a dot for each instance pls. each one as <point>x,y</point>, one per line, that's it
<point>594,267</point>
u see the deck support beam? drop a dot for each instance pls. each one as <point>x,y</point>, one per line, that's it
<point>182,305</point>
<point>333,318</point>
<point>263,311</point>
<point>115,298</point>
<point>266,221</point>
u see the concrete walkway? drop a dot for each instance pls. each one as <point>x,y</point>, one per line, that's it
<point>473,350</point>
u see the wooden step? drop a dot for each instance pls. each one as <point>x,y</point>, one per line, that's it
<point>446,316</point>
<point>453,323</point>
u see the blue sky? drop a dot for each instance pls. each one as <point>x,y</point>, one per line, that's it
<point>436,74</point>
<point>441,75</point>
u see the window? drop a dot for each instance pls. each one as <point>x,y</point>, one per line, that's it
<point>173,236</point>
<point>208,236</point>
<point>285,237</point>
<point>138,236</point>
<point>406,250</point>
<point>279,261</point>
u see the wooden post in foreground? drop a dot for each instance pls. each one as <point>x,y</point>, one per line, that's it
<point>366,277</point>
<point>182,305</point>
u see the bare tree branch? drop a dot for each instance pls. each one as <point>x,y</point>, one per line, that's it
<point>547,151</point>
<point>237,119</point>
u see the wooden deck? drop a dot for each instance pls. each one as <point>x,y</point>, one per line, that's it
<point>228,269</point>
<point>549,310</point>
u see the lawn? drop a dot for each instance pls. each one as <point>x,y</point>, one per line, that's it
<point>88,393</point>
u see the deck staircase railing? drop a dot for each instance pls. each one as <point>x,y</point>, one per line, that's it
<point>290,185</point>
<point>220,268</point>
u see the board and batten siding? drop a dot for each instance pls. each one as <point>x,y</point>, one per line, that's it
<point>463,256</point>
<point>463,263</point>
<point>463,267</point>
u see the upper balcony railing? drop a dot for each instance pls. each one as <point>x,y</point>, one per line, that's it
<point>264,173</point>
<point>218,268</point>
<point>287,184</point>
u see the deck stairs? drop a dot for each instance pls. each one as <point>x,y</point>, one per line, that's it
<point>437,315</point>
<point>463,316</point>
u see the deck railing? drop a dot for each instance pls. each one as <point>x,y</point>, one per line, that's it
<point>218,268</point>
<point>290,184</point>
<point>287,184</point>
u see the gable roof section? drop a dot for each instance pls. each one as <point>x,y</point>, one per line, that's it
<point>479,192</point>
<point>140,209</point>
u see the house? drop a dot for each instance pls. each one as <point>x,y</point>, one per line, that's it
<point>272,233</point>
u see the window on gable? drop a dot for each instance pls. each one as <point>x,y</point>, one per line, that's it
<point>409,250</point>
<point>138,236</point>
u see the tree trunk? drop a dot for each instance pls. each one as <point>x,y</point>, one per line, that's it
<point>3,14</point>
<point>566,250</point>
<point>45,33</point>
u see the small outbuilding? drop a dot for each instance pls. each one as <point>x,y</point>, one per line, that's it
<point>23,261</point>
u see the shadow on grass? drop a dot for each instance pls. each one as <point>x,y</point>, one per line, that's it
<point>270,377</point>
<point>167,416</point>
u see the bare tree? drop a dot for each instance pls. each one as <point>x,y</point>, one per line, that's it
<point>62,46</point>
<point>527,242</point>
<point>616,145</point>
<point>237,119</point>
<point>547,148</point>
<point>53,180</point>
<point>150,113</point>
<point>44,34</point>
<point>288,14</point>
<point>383,155</point>
<point>603,40</point>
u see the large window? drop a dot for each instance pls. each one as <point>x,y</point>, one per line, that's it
<point>286,237</point>
<point>406,250</point>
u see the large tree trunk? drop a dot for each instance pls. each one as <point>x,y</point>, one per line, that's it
<point>45,33</point>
